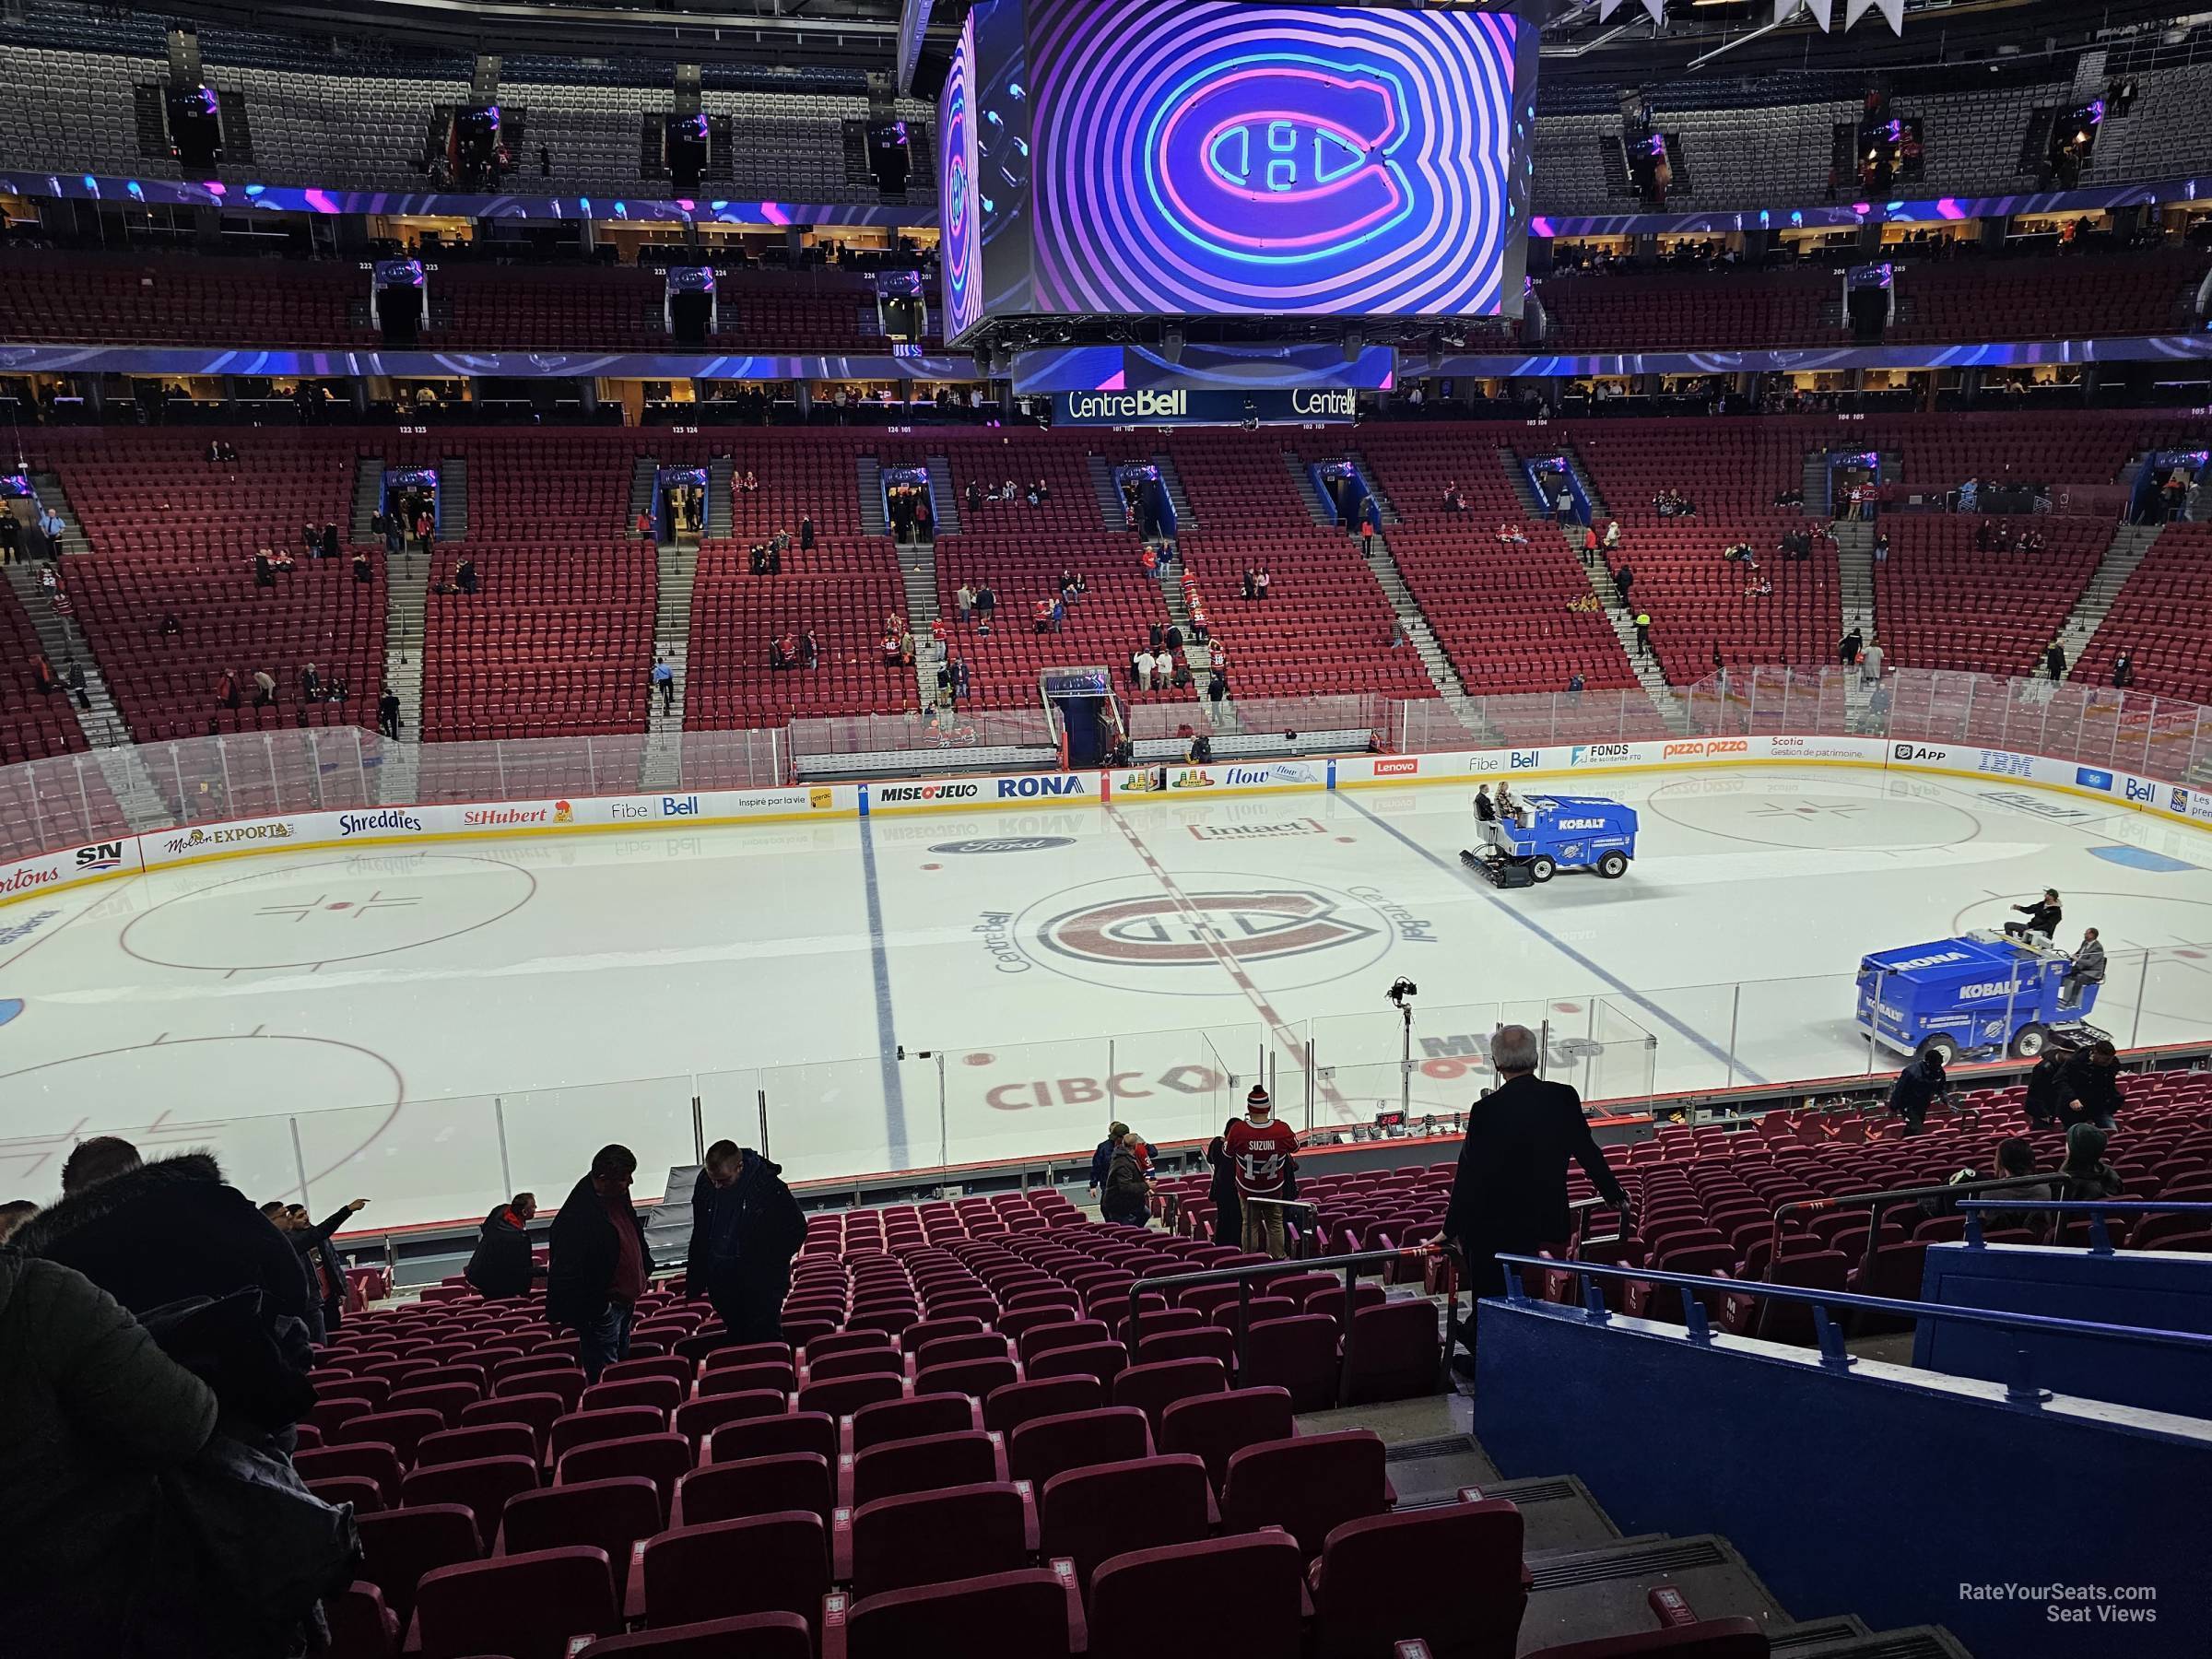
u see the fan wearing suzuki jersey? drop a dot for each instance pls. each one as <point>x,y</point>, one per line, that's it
<point>1262,1153</point>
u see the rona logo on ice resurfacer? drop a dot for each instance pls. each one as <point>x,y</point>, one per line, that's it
<point>1980,994</point>
<point>1545,834</point>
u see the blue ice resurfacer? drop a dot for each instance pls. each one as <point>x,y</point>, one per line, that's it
<point>1545,834</point>
<point>1981,994</point>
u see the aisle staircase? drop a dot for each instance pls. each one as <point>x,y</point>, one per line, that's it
<point>1854,570</point>
<point>1815,486</point>
<point>918,573</point>
<point>720,525</point>
<point>874,519</point>
<point>65,643</point>
<point>1221,717</point>
<point>1109,494</point>
<point>944,499</point>
<point>643,476</point>
<point>1387,513</point>
<point>452,499</point>
<point>677,574</point>
<point>1186,517</point>
<point>1301,479</point>
<point>407,588</point>
<point>47,487</point>
<point>2130,544</point>
<point>368,496</point>
<point>1383,565</point>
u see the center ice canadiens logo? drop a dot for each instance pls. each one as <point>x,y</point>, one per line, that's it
<point>1217,937</point>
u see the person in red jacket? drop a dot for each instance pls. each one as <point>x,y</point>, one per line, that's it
<point>1263,1154</point>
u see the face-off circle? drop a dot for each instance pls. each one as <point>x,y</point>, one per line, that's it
<point>1129,934</point>
<point>342,910</point>
<point>206,1083</point>
<point>1824,816</point>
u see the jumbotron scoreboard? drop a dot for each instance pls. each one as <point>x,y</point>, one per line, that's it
<point>1201,158</point>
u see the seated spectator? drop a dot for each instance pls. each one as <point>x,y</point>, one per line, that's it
<point>2017,1157</point>
<point>464,575</point>
<point>2085,1176</point>
<point>746,482</point>
<point>1758,589</point>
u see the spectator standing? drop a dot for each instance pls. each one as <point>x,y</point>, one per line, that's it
<point>387,713</point>
<point>1848,651</point>
<point>2124,671</point>
<point>746,1226</point>
<point>2054,661</point>
<point>2046,1099</point>
<point>1918,1087</point>
<point>97,1416</point>
<point>1643,632</point>
<point>318,1258</point>
<point>806,532</point>
<point>2091,1083</point>
<point>1509,1194</point>
<point>1126,1196</point>
<point>1870,663</point>
<point>963,602</point>
<point>150,1233</point>
<point>264,687</point>
<point>599,1261</point>
<point>1163,670</point>
<point>1623,579</point>
<point>1140,669</point>
<point>75,674</point>
<point>502,1265</point>
<point>362,571</point>
<point>664,681</point>
<point>1228,1208</point>
<point>1263,1151</point>
<point>1101,1157</point>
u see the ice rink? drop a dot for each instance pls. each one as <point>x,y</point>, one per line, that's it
<point>432,1028</point>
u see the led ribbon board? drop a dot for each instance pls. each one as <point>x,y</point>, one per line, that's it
<point>1196,157</point>
<point>961,254</point>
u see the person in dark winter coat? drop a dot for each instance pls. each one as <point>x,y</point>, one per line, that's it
<point>1228,1207</point>
<point>501,1263</point>
<point>97,1415</point>
<point>1917,1087</point>
<point>1509,1194</point>
<point>746,1226</point>
<point>1102,1160</point>
<point>319,1257</point>
<point>2091,1083</point>
<point>1125,1197</point>
<point>599,1261</point>
<point>159,1233</point>
<point>2046,1100</point>
<point>2086,1177</point>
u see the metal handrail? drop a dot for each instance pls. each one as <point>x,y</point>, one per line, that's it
<point>2101,1241</point>
<point>1245,1276</point>
<point>1876,1201</point>
<point>2022,1390</point>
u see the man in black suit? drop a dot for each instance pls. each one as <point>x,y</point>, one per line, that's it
<point>1511,1191</point>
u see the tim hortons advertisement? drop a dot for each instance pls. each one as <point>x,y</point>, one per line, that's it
<point>51,872</point>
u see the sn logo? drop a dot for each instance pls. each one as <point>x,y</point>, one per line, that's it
<point>1263,157</point>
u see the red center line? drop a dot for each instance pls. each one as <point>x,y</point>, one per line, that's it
<point>1211,939</point>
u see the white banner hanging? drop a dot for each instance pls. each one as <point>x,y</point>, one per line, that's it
<point>1894,10</point>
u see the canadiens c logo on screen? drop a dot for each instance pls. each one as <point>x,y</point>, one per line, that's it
<point>1271,156</point>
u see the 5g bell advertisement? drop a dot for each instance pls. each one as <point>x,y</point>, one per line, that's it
<point>1196,406</point>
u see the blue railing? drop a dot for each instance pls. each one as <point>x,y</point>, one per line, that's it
<point>2101,1241</point>
<point>2020,1390</point>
